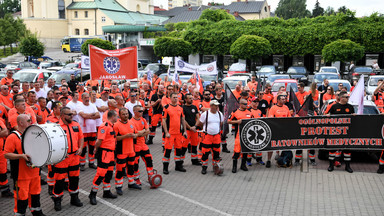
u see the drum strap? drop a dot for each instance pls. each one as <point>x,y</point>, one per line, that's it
<point>18,134</point>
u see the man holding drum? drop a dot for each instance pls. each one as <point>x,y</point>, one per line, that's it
<point>71,165</point>
<point>26,179</point>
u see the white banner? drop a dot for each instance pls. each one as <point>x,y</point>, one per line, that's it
<point>85,62</point>
<point>204,69</point>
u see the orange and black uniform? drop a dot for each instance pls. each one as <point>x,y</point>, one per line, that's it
<point>301,96</point>
<point>26,179</point>
<point>173,116</point>
<point>44,113</point>
<point>7,100</point>
<point>3,114</point>
<point>3,163</point>
<point>125,153</point>
<point>210,142</point>
<point>51,172</point>
<point>156,114</point>
<point>279,111</point>
<point>237,115</point>
<point>6,81</point>
<point>190,113</point>
<point>256,113</point>
<point>12,114</point>
<point>105,156</point>
<point>71,165</point>
<point>141,148</point>
<point>268,97</point>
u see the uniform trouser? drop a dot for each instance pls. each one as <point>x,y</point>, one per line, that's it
<point>381,160</point>
<point>193,139</point>
<point>3,172</point>
<point>104,172</point>
<point>174,141</point>
<point>89,140</point>
<point>333,154</point>
<point>123,161</point>
<point>210,143</point>
<point>299,154</point>
<point>154,121</point>
<point>25,189</point>
<point>259,156</point>
<point>69,167</point>
<point>51,175</point>
<point>237,150</point>
<point>142,151</point>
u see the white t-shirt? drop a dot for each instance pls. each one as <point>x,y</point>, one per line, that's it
<point>90,124</point>
<point>130,106</point>
<point>40,93</point>
<point>100,103</point>
<point>213,122</point>
<point>49,104</point>
<point>74,107</point>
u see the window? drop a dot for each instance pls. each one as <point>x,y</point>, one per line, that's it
<point>76,14</point>
<point>86,32</point>
<point>86,14</point>
<point>61,6</point>
<point>77,32</point>
<point>102,19</point>
<point>265,9</point>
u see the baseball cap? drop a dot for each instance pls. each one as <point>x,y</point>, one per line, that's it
<point>214,102</point>
<point>255,99</point>
<point>105,92</point>
<point>61,97</point>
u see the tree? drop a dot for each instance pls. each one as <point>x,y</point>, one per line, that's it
<point>9,6</point>
<point>288,9</point>
<point>317,11</point>
<point>8,33</point>
<point>167,46</point>
<point>343,50</point>
<point>216,15</point>
<point>103,44</point>
<point>250,47</point>
<point>31,46</point>
<point>329,11</point>
<point>342,9</point>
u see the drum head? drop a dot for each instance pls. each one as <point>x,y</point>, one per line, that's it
<point>36,145</point>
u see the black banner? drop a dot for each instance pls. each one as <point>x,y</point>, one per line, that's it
<point>364,132</point>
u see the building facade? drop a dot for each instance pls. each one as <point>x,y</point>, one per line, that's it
<point>181,3</point>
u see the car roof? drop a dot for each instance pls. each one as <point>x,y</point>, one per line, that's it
<point>72,71</point>
<point>329,67</point>
<point>34,70</point>
<point>326,73</point>
<point>236,78</point>
<point>285,81</point>
<point>339,81</point>
<point>376,76</point>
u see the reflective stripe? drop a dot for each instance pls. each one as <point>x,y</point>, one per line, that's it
<point>106,185</point>
<point>35,209</point>
<point>73,192</point>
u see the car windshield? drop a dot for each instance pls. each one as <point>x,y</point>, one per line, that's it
<point>152,67</point>
<point>331,70</point>
<point>24,76</point>
<point>335,85</point>
<point>71,65</point>
<point>59,76</point>
<point>11,66</point>
<point>321,77</point>
<point>374,80</point>
<point>232,83</point>
<point>276,86</point>
<point>296,70</point>
<point>363,70</point>
<point>208,77</point>
<point>267,69</point>
<point>273,78</point>
<point>45,64</point>
<point>237,67</point>
<point>367,110</point>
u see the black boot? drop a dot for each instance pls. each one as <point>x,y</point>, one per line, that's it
<point>179,166</point>
<point>224,148</point>
<point>119,190</point>
<point>243,164</point>
<point>92,166</point>
<point>331,166</point>
<point>38,213</point>
<point>150,140</point>
<point>234,167</point>
<point>196,162</point>
<point>165,168</point>
<point>7,192</point>
<point>57,203</point>
<point>109,194</point>
<point>75,200</point>
<point>381,169</point>
<point>348,167</point>
<point>204,170</point>
<point>92,198</point>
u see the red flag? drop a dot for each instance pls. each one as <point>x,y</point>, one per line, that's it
<point>113,64</point>
<point>196,80</point>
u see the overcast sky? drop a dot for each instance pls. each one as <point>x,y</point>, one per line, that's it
<point>362,7</point>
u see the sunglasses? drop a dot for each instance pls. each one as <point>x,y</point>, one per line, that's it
<point>206,94</point>
<point>140,111</point>
<point>58,93</point>
<point>244,104</point>
<point>68,114</point>
<point>345,97</point>
<point>329,89</point>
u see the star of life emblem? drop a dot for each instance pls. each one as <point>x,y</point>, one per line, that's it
<point>256,135</point>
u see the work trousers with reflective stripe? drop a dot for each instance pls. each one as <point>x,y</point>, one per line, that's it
<point>334,154</point>
<point>68,167</point>
<point>24,190</point>
<point>3,170</point>
<point>174,141</point>
<point>299,154</point>
<point>193,139</point>
<point>124,161</point>
<point>89,140</point>
<point>381,160</point>
<point>142,151</point>
<point>210,143</point>
<point>104,172</point>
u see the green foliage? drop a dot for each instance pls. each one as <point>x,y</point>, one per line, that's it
<point>216,15</point>
<point>329,11</point>
<point>288,9</point>
<point>31,46</point>
<point>318,10</point>
<point>103,44</point>
<point>9,52</point>
<point>343,50</point>
<point>171,47</point>
<point>250,47</point>
<point>9,7</point>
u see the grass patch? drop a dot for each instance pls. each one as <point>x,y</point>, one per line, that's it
<point>8,51</point>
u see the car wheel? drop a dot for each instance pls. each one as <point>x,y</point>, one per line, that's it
<point>65,50</point>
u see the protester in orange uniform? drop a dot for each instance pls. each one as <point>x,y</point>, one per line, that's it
<point>70,165</point>
<point>8,80</point>
<point>141,149</point>
<point>42,103</point>
<point>20,108</point>
<point>205,103</point>
<point>4,186</point>
<point>268,96</point>
<point>144,80</point>
<point>115,91</point>
<point>378,95</point>
<point>236,118</point>
<point>314,93</point>
<point>329,94</point>
<point>301,94</point>
<point>252,84</point>
<point>167,99</point>
<point>125,153</point>
<point>279,110</point>
<point>26,179</point>
<point>174,125</point>
<point>6,99</point>
<point>237,91</point>
<point>92,83</point>
<point>256,113</point>
<point>54,117</point>
<point>112,105</point>
<point>156,113</point>
<point>126,90</point>
<point>3,114</point>
<point>31,102</point>
<point>104,150</point>
<point>211,121</point>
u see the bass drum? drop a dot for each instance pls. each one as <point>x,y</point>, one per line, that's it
<point>45,144</point>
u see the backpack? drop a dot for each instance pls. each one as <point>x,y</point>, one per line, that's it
<point>285,159</point>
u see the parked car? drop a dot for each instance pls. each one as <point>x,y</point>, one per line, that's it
<point>272,77</point>
<point>356,72</point>
<point>335,84</point>
<point>233,81</point>
<point>2,75</point>
<point>66,74</point>
<point>372,83</point>
<point>37,60</point>
<point>48,64</point>
<point>236,68</point>
<point>17,66</point>
<point>299,73</point>
<point>265,71</point>
<point>243,74</point>
<point>32,75</point>
<point>329,70</point>
<point>207,79</point>
<point>72,66</point>
<point>2,65</point>
<point>184,78</point>
<point>156,68</point>
<point>287,83</point>
<point>320,77</point>
<point>144,62</point>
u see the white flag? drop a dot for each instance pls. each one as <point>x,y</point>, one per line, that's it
<point>149,76</point>
<point>357,95</point>
<point>84,62</point>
